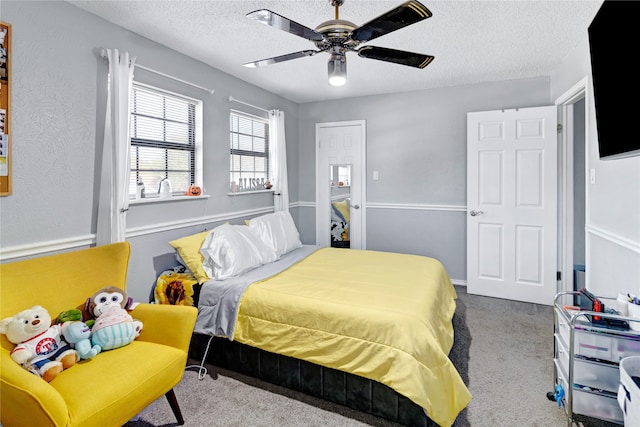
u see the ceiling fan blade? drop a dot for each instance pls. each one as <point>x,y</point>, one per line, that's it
<point>406,14</point>
<point>411,59</point>
<point>282,58</point>
<point>274,20</point>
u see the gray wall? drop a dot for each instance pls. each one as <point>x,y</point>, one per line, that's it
<point>58,105</point>
<point>613,201</point>
<point>417,141</point>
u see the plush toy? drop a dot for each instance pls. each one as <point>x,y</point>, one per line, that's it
<point>69,316</point>
<point>40,347</point>
<point>105,298</point>
<point>73,315</point>
<point>114,328</point>
<point>77,334</point>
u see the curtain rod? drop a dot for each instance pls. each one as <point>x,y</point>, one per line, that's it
<point>232,99</point>
<point>103,53</point>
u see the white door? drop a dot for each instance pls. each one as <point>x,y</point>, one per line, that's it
<point>340,144</point>
<point>512,204</point>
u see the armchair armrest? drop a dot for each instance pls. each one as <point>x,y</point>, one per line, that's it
<point>170,325</point>
<point>24,393</point>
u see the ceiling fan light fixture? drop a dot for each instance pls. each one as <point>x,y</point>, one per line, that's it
<point>338,36</point>
<point>337,69</point>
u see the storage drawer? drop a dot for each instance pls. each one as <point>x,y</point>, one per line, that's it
<point>562,355</point>
<point>606,347</point>
<point>596,405</point>
<point>586,402</point>
<point>625,347</point>
<point>596,346</point>
<point>596,375</point>
<point>563,328</point>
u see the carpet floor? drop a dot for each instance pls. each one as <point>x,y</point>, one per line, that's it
<point>503,351</point>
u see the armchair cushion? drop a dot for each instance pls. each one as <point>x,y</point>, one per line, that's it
<point>149,371</point>
<point>111,388</point>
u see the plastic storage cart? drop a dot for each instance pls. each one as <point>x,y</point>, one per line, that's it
<point>629,391</point>
<point>586,360</point>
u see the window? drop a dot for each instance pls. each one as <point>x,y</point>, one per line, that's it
<point>166,140</point>
<point>249,142</point>
<point>340,175</point>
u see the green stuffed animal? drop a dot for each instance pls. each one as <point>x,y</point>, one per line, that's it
<point>73,315</point>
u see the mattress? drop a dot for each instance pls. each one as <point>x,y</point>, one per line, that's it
<point>379,315</point>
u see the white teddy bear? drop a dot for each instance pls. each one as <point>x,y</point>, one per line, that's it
<point>40,347</point>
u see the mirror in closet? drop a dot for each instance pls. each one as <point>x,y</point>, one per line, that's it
<point>340,194</point>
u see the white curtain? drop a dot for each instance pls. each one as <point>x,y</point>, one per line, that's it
<point>113,202</point>
<point>278,157</point>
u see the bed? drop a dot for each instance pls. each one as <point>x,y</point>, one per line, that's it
<point>379,316</point>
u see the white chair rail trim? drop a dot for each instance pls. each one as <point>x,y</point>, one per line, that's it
<point>417,207</point>
<point>58,245</point>
<point>614,238</point>
<point>173,225</point>
<point>40,248</point>
<point>33,249</point>
<point>398,206</point>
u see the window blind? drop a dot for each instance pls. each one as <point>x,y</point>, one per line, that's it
<point>163,140</point>
<point>249,147</point>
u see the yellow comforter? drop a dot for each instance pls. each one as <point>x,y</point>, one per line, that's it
<point>379,315</point>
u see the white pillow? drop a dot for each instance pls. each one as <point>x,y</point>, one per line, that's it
<point>278,231</point>
<point>230,250</point>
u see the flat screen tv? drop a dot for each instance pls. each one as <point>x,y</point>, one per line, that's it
<point>614,43</point>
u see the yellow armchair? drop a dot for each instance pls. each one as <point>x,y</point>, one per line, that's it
<point>111,388</point>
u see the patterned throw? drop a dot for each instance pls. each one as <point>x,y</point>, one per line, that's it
<point>175,287</point>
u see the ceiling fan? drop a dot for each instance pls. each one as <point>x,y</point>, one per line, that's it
<point>337,37</point>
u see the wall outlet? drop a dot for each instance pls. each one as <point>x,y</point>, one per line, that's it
<point>376,175</point>
<point>592,176</point>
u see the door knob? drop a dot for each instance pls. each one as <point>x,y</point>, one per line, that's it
<point>356,206</point>
<point>475,213</point>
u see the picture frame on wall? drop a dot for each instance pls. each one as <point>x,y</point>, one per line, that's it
<point>5,109</point>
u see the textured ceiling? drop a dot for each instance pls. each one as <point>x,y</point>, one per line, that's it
<point>472,41</point>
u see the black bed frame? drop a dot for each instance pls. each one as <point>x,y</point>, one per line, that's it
<point>329,384</point>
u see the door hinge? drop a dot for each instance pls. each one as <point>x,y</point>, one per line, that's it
<point>559,127</point>
<point>558,275</point>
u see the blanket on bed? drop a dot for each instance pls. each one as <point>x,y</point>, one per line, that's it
<point>382,316</point>
<point>219,300</point>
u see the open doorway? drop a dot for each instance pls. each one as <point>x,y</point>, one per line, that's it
<point>579,194</point>
<point>572,187</point>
